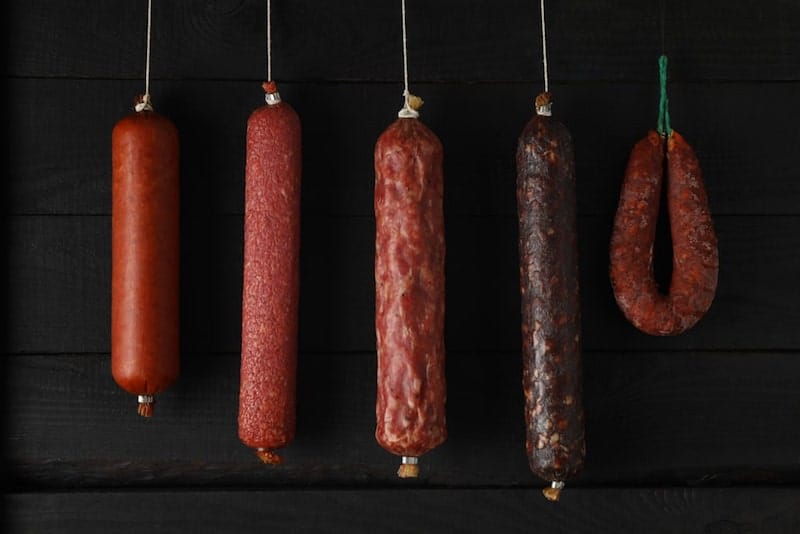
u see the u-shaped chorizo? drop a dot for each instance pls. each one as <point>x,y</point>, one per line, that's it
<point>695,262</point>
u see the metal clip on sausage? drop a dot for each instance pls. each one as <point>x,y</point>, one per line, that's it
<point>271,94</point>
<point>544,105</point>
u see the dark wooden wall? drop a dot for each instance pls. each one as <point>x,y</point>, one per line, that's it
<point>695,433</point>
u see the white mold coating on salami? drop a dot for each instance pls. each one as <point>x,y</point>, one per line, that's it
<point>410,289</point>
<point>271,279</point>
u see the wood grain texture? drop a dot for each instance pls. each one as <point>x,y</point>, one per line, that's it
<point>697,433</point>
<point>360,40</point>
<point>60,158</point>
<point>664,418</point>
<point>60,299</point>
<point>667,511</point>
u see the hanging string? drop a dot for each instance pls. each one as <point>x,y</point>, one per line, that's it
<point>663,126</point>
<point>144,103</point>
<point>410,102</point>
<point>544,50</point>
<point>542,104</point>
<point>271,95</point>
<point>405,53</point>
<point>269,41</point>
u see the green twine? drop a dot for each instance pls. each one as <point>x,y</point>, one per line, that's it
<point>663,104</point>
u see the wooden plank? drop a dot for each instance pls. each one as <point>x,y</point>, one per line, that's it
<point>60,267</point>
<point>656,418</point>
<point>713,511</point>
<point>361,40</point>
<point>59,162</point>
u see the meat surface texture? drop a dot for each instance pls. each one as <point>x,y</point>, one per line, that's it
<point>695,258</point>
<point>271,280</point>
<point>145,250</point>
<point>550,300</point>
<point>410,289</point>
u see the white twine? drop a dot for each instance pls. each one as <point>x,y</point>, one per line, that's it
<point>145,103</point>
<point>544,50</point>
<point>269,41</point>
<point>406,112</point>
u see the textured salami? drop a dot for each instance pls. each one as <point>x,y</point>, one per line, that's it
<point>271,279</point>
<point>145,252</point>
<point>409,292</point>
<point>549,293</point>
<point>695,259</point>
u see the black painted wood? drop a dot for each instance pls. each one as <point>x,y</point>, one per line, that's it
<point>60,161</point>
<point>706,511</point>
<point>61,268</point>
<point>360,40</point>
<point>694,418</point>
<point>695,433</point>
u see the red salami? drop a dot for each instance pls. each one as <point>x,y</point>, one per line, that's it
<point>145,252</point>
<point>695,261</point>
<point>271,280</point>
<point>549,293</point>
<point>409,292</point>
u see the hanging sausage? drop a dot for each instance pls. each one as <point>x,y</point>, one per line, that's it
<point>695,258</point>
<point>271,278</point>
<point>145,251</point>
<point>549,294</point>
<point>409,286</point>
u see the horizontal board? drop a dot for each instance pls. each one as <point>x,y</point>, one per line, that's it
<point>657,418</point>
<point>672,423</point>
<point>60,156</point>
<point>447,40</point>
<point>59,300</point>
<point>708,511</point>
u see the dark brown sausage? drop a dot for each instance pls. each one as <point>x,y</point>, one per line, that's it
<point>271,280</point>
<point>549,291</point>
<point>410,291</point>
<point>695,262</point>
<point>145,250</point>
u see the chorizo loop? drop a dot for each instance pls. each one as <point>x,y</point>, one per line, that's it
<point>695,258</point>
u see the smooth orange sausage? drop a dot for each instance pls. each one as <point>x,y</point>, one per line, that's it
<point>145,284</point>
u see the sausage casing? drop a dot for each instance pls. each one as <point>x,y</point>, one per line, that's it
<point>271,280</point>
<point>410,289</point>
<point>145,270</point>
<point>549,294</point>
<point>695,258</point>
